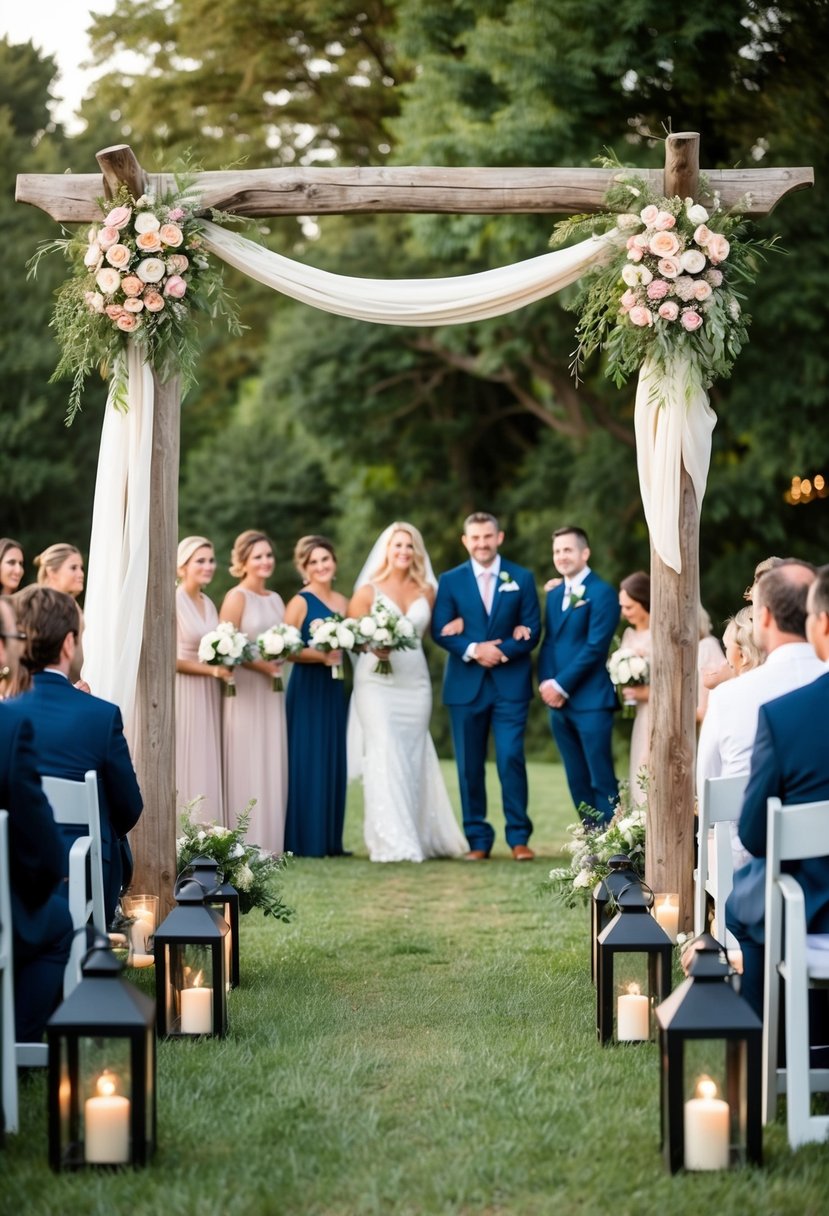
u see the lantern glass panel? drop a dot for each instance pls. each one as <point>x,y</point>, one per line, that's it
<point>714,1103</point>
<point>633,997</point>
<point>189,991</point>
<point>95,1100</point>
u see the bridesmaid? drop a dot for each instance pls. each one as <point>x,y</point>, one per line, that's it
<point>61,568</point>
<point>255,744</point>
<point>198,703</point>
<point>635,604</point>
<point>11,565</point>
<point>316,714</point>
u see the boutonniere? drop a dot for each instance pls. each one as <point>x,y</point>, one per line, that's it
<point>506,582</point>
<point>576,598</point>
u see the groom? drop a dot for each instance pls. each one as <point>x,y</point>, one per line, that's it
<point>487,684</point>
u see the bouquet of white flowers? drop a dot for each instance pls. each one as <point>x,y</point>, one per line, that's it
<point>628,669</point>
<point>594,843</point>
<point>335,633</point>
<point>382,629</point>
<point>225,646</point>
<point>277,643</point>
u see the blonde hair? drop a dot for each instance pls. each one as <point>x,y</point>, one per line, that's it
<point>242,548</point>
<point>50,561</point>
<point>418,567</point>
<point>743,634</point>
<point>189,546</point>
<point>305,546</point>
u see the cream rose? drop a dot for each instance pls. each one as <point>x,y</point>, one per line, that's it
<point>118,256</point>
<point>108,236</point>
<point>696,214</point>
<point>171,235</point>
<point>92,257</point>
<point>145,221</point>
<point>702,234</point>
<point>128,323</point>
<point>669,310</point>
<point>718,247</point>
<point>133,304</point>
<point>108,280</point>
<point>151,270</point>
<point>632,276</point>
<point>669,268</point>
<point>635,254</point>
<point>693,261</point>
<point>131,285</point>
<point>702,290</point>
<point>691,320</point>
<point>648,215</point>
<point>148,242</point>
<point>663,244</point>
<point>641,316</point>
<point>664,220</point>
<point>113,311</point>
<point>153,301</point>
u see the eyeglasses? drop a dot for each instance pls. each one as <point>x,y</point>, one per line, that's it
<point>13,637</point>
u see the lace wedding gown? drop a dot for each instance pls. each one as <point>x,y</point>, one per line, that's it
<point>408,816</point>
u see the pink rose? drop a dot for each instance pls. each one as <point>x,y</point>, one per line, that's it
<point>131,285</point>
<point>635,254</point>
<point>108,280</point>
<point>175,287</point>
<point>718,247</point>
<point>714,277</point>
<point>177,263</point>
<point>127,322</point>
<point>113,311</point>
<point>702,235</point>
<point>171,235</point>
<point>177,213</point>
<point>94,301</point>
<point>641,240</point>
<point>664,220</point>
<point>702,290</point>
<point>691,320</point>
<point>118,217</point>
<point>663,244</point>
<point>108,236</point>
<point>669,311</point>
<point>148,242</point>
<point>153,301</point>
<point>628,300</point>
<point>118,256</point>
<point>648,215</point>
<point>641,316</point>
<point>657,290</point>
<point>669,268</point>
<point>133,305</point>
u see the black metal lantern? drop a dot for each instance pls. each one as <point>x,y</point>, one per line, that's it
<point>633,968</point>
<point>190,967</point>
<point>102,1070</point>
<point>710,1069</point>
<point>603,904</point>
<point>224,897</point>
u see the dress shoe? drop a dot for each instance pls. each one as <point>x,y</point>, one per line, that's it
<point>477,855</point>
<point>521,852</point>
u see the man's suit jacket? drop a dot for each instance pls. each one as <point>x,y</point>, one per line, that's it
<point>74,732</point>
<point>514,602</point>
<point>36,851</point>
<point>790,761</point>
<point>576,643</point>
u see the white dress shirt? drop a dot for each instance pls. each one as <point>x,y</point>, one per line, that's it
<point>477,569</point>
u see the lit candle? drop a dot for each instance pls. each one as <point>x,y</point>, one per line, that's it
<point>706,1129</point>
<point>107,1124</point>
<point>666,911</point>
<point>632,1016</point>
<point>141,929</point>
<point>197,1009</point>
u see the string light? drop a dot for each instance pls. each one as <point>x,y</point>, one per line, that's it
<point>806,489</point>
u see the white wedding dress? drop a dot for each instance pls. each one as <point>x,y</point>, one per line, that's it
<point>408,815</point>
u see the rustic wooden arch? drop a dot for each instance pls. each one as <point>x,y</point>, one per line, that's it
<point>72,198</point>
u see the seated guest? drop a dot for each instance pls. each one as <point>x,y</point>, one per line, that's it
<point>41,925</point>
<point>75,731</point>
<point>789,761</point>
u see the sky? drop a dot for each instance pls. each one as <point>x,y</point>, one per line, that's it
<point>57,27</point>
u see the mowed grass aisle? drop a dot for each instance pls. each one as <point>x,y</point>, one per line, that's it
<point>421,1039</point>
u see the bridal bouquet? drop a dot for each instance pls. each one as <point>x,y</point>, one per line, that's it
<point>591,848</point>
<point>627,669</point>
<point>277,643</point>
<point>254,872</point>
<point>382,629</point>
<point>335,632</point>
<point>141,274</point>
<point>225,646</point>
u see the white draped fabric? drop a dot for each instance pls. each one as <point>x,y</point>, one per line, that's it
<point>118,558</point>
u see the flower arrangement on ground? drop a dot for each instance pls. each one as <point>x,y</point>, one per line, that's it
<point>594,843</point>
<point>226,646</point>
<point>255,873</point>
<point>383,629</point>
<point>277,643</point>
<point>142,274</point>
<point>627,669</point>
<point>672,284</point>
<point>335,632</point>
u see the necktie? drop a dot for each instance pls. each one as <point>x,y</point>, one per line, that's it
<point>486,589</point>
<point>565,603</point>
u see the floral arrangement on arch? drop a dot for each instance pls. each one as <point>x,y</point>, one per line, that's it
<point>672,285</point>
<point>141,275</point>
<point>254,872</point>
<point>594,843</point>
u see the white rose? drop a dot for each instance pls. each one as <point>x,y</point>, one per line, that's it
<point>624,671</point>
<point>405,628</point>
<point>92,257</point>
<point>151,270</point>
<point>345,637</point>
<point>224,646</point>
<point>108,280</point>
<point>145,221</point>
<point>696,214</point>
<point>634,275</point>
<point>381,616</point>
<point>382,636</point>
<point>367,626</point>
<point>692,260</point>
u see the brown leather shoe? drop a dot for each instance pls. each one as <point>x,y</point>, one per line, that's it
<point>477,855</point>
<point>522,852</point>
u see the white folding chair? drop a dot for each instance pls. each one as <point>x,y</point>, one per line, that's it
<point>8,1062</point>
<point>801,960</point>
<point>720,805</point>
<point>76,803</point>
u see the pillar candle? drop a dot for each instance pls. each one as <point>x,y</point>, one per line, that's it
<point>197,1011</point>
<point>632,1016</point>
<point>706,1129</point>
<point>106,1125</point>
<point>666,911</point>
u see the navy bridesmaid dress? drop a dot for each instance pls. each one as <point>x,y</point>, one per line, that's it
<point>316,710</point>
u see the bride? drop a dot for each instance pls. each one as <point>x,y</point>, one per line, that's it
<point>408,816</point>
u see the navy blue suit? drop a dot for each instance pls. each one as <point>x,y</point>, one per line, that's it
<point>574,654</point>
<point>483,698</point>
<point>74,732</point>
<point>790,761</point>
<point>41,924</point>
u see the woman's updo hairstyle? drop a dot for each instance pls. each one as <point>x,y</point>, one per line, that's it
<point>242,549</point>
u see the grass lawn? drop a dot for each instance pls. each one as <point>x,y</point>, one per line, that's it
<point>420,1039</point>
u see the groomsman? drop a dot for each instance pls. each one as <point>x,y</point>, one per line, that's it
<point>581,616</point>
<point>488,680</point>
